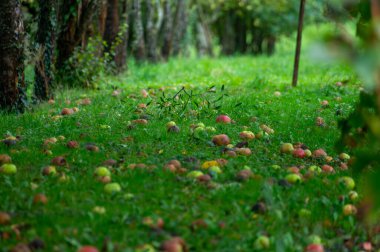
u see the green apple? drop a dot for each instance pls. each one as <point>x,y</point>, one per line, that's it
<point>262,242</point>
<point>344,156</point>
<point>49,170</point>
<point>287,148</point>
<point>112,188</point>
<point>293,178</point>
<point>8,169</point>
<point>170,124</point>
<point>354,196</point>
<point>210,129</point>
<point>315,239</point>
<point>194,174</point>
<point>304,213</point>
<point>102,172</point>
<point>307,153</point>
<point>200,132</point>
<point>315,169</point>
<point>348,182</point>
<point>215,169</point>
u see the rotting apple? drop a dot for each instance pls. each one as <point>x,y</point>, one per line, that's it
<point>221,140</point>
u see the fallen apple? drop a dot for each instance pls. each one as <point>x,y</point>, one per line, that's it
<point>88,248</point>
<point>221,140</point>
<point>262,242</point>
<point>349,209</point>
<point>354,196</point>
<point>49,170</point>
<point>247,135</point>
<point>5,218</point>
<point>344,156</point>
<point>299,153</point>
<point>5,159</point>
<point>314,248</point>
<point>287,148</point>
<point>170,124</point>
<point>293,178</point>
<point>112,188</point>
<point>8,169</point>
<point>102,172</point>
<point>194,174</point>
<point>348,182</point>
<point>320,153</point>
<point>40,199</point>
<point>223,119</point>
<point>215,169</point>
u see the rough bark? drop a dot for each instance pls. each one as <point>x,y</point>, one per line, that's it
<point>112,24</point>
<point>153,23</point>
<point>138,46</point>
<point>12,83</point>
<point>203,35</point>
<point>45,41</point>
<point>180,25</point>
<point>102,17</point>
<point>241,34</point>
<point>73,25</point>
<point>167,30</point>
<point>121,50</point>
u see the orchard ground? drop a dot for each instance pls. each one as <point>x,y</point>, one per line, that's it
<point>154,203</point>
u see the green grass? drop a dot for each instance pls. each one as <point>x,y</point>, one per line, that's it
<point>68,219</point>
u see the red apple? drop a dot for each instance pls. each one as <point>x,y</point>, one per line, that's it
<point>223,119</point>
<point>299,153</point>
<point>221,140</point>
<point>88,249</point>
<point>319,153</point>
<point>314,248</point>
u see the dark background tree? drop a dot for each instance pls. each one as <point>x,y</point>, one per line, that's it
<point>12,82</point>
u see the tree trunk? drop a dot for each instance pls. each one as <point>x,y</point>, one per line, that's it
<point>102,17</point>
<point>138,47</point>
<point>73,25</point>
<point>257,41</point>
<point>12,83</point>
<point>121,50</point>
<point>152,7</point>
<point>167,30</point>
<point>180,25</point>
<point>45,41</point>
<point>112,24</point>
<point>271,45</point>
<point>241,34</point>
<point>228,34</point>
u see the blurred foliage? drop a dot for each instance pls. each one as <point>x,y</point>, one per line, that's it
<point>361,130</point>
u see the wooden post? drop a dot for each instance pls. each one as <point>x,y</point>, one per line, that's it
<point>299,43</point>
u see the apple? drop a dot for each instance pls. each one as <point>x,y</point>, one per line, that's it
<point>293,178</point>
<point>145,248</point>
<point>8,169</point>
<point>349,209</point>
<point>320,153</point>
<point>72,145</point>
<point>112,188</point>
<point>222,162</point>
<point>67,111</point>
<point>314,239</point>
<point>5,159</point>
<point>327,169</point>
<point>92,147</point>
<point>294,169</point>
<point>287,148</point>
<point>215,169</point>
<point>315,169</point>
<point>49,170</point>
<point>175,244</point>
<point>102,172</point>
<point>88,248</point>
<point>319,121</point>
<point>304,213</point>
<point>40,199</point>
<point>5,218</point>
<point>344,156</point>
<point>221,140</point>
<point>267,129</point>
<point>325,103</point>
<point>277,94</point>
<point>247,135</point>
<point>314,248</point>
<point>176,163</point>
<point>174,129</point>
<point>343,166</point>
<point>354,196</point>
<point>299,153</point>
<point>223,119</point>
<point>260,134</point>
<point>204,178</point>
<point>58,161</point>
<point>329,159</point>
<point>244,175</point>
<point>262,242</point>
<point>348,182</point>
<point>243,151</point>
<point>308,153</point>
<point>210,129</point>
<point>194,174</point>
<point>170,124</point>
